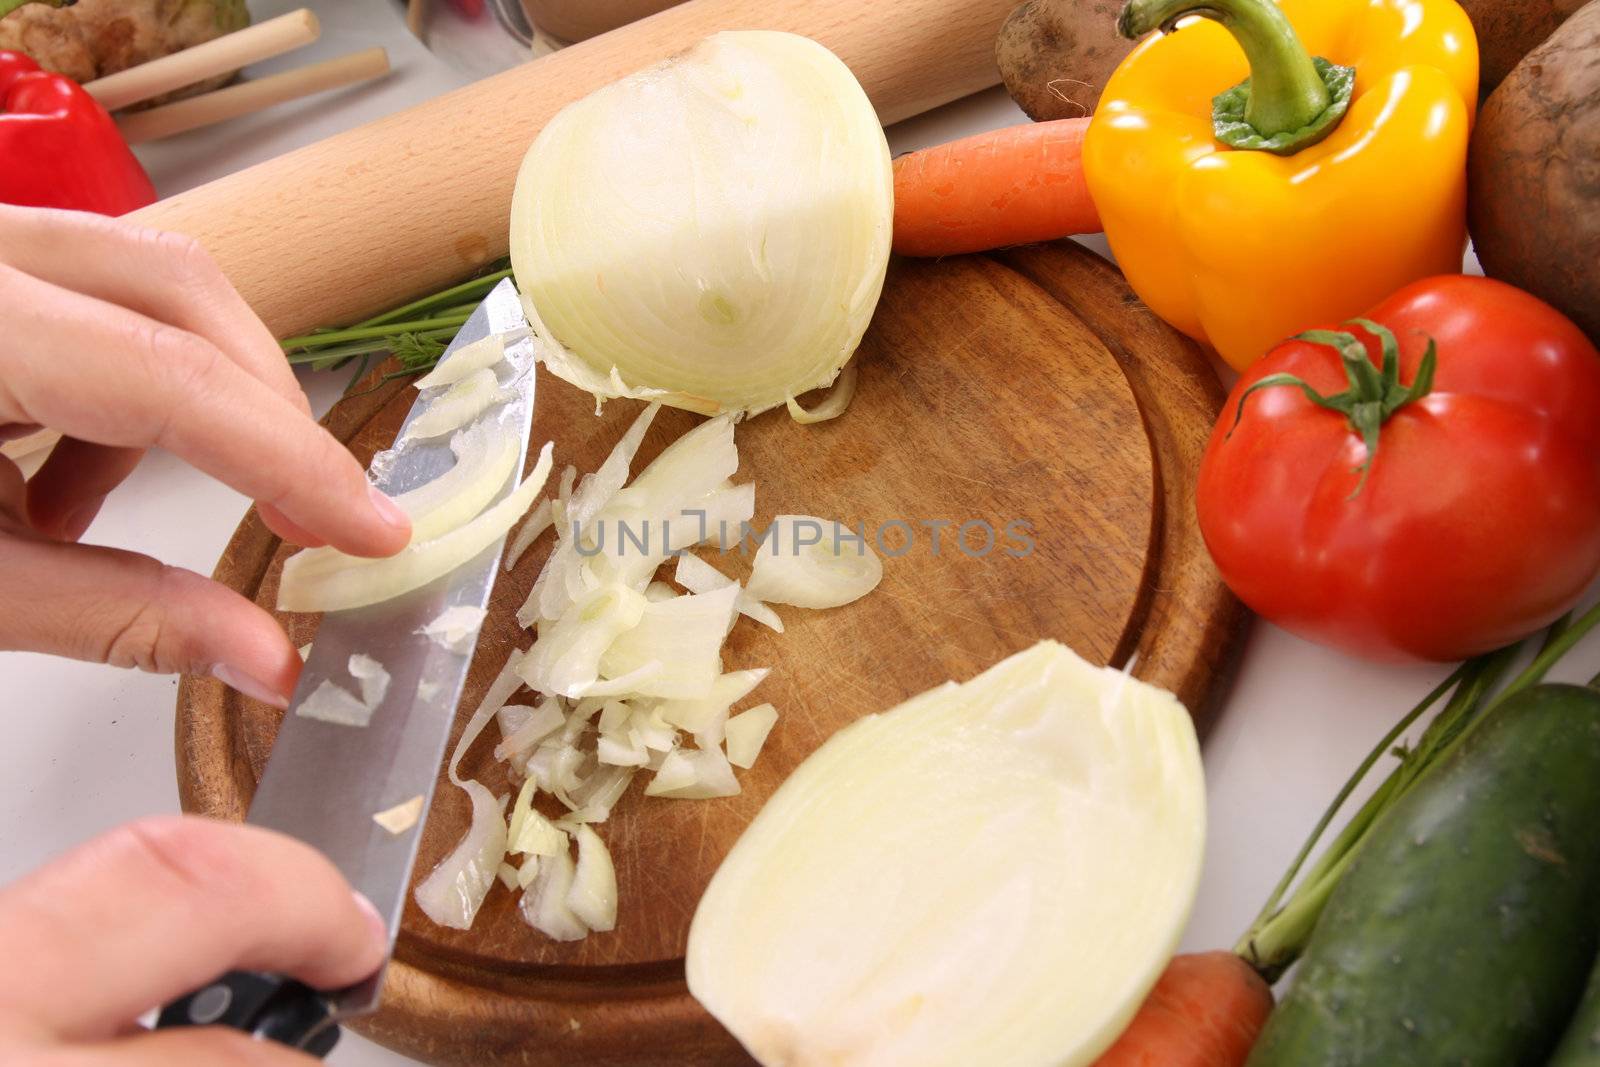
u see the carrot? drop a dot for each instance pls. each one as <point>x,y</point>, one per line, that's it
<point>1004,187</point>
<point>1205,1011</point>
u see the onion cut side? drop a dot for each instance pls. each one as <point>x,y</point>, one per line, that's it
<point>413,567</point>
<point>993,872</point>
<point>813,563</point>
<point>740,267</point>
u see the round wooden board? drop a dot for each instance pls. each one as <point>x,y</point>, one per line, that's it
<point>1030,395</point>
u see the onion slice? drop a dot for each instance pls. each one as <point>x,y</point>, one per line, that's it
<point>413,567</point>
<point>684,636</point>
<point>453,892</point>
<point>457,405</point>
<point>813,563</point>
<point>698,576</point>
<point>747,733</point>
<point>592,897</point>
<point>482,353</point>
<point>994,872</point>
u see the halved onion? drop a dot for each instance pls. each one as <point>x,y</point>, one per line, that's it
<point>740,267</point>
<point>991,873</point>
<point>813,563</point>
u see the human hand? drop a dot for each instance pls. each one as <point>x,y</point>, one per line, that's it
<point>124,339</point>
<point>154,910</point>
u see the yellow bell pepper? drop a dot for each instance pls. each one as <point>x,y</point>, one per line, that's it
<point>1245,213</point>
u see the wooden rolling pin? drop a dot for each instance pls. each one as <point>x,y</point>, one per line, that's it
<point>404,205</point>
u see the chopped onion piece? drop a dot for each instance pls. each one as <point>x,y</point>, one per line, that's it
<point>456,628</point>
<point>402,817</point>
<point>466,360</point>
<point>593,894</point>
<point>628,752</point>
<point>694,774</point>
<point>698,576</point>
<point>544,903</point>
<point>697,715</point>
<point>990,873</point>
<point>568,657</point>
<point>457,405</point>
<point>747,732</point>
<point>600,793</point>
<point>831,406</point>
<point>305,649</point>
<point>655,592</point>
<point>540,520</point>
<point>596,491</point>
<point>539,723</point>
<point>508,876</point>
<point>453,892</point>
<point>537,836</point>
<point>813,563</point>
<point>684,635</point>
<point>336,704</point>
<point>415,566</point>
<point>372,678</point>
<point>527,872</point>
<point>623,685</point>
<point>741,265</point>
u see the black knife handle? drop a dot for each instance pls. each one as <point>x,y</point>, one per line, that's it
<point>268,1006</point>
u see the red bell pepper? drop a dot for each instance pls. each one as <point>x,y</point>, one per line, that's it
<point>59,147</point>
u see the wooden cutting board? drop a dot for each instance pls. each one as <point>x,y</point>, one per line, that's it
<point>1031,391</point>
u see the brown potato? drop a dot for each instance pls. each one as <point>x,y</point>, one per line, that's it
<point>1510,29</point>
<point>93,38</point>
<point>1533,173</point>
<point>1055,56</point>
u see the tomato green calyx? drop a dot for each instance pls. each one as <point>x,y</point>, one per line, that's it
<point>1375,393</point>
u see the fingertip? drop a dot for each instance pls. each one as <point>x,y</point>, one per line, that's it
<point>396,523</point>
<point>286,528</point>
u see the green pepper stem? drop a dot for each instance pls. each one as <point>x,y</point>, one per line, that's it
<point>1286,91</point>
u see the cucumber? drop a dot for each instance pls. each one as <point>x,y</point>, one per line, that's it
<point>1580,1046</point>
<point>1463,931</point>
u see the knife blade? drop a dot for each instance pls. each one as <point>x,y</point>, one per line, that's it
<point>324,781</point>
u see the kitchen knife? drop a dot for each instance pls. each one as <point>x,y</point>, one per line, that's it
<point>324,781</point>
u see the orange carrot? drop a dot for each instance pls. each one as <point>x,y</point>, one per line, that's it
<point>1205,1011</point>
<point>1004,187</point>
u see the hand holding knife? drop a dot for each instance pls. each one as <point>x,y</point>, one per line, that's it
<point>325,780</point>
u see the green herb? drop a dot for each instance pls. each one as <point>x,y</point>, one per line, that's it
<point>416,334</point>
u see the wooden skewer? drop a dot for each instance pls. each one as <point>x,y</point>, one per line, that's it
<point>220,56</point>
<point>255,95</point>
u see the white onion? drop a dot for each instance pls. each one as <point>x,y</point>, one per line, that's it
<point>694,774</point>
<point>537,522</point>
<point>830,571</point>
<point>457,405</point>
<point>592,896</point>
<point>697,716</point>
<point>991,873</point>
<point>544,903</point>
<point>461,363</point>
<point>698,576</point>
<point>453,892</point>
<point>334,703</point>
<point>684,635</point>
<point>382,579</point>
<point>372,678</point>
<point>747,732</point>
<point>567,657</point>
<point>456,628</point>
<point>739,266</point>
<point>540,723</point>
<point>402,817</point>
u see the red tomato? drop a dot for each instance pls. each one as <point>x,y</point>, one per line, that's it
<point>1479,521</point>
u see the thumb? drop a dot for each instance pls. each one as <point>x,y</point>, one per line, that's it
<point>128,610</point>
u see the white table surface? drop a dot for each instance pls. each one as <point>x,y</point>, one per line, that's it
<point>86,747</point>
